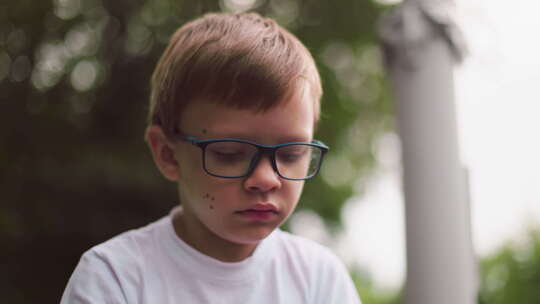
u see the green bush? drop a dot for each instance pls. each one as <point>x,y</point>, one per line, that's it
<point>512,275</point>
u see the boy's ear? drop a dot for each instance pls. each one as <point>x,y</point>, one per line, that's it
<point>162,152</point>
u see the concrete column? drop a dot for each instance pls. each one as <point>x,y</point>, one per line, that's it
<point>421,45</point>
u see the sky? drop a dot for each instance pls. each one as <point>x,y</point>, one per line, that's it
<point>498,106</point>
<point>499,112</point>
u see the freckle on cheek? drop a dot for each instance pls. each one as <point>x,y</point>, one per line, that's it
<point>211,207</point>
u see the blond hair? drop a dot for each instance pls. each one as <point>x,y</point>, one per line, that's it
<point>240,60</point>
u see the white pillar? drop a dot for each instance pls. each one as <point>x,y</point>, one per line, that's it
<point>421,45</point>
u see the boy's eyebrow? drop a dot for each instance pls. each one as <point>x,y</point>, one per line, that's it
<point>206,133</point>
<point>257,139</point>
<point>297,139</point>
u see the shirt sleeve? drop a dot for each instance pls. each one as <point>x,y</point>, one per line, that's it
<point>334,284</point>
<point>93,281</point>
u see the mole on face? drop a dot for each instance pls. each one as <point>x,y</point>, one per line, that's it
<point>203,131</point>
<point>213,198</point>
<point>211,207</point>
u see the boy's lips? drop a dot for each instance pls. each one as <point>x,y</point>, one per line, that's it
<point>260,212</point>
<point>261,207</point>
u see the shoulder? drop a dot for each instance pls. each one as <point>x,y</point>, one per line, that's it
<point>130,250</point>
<point>126,250</point>
<point>110,271</point>
<point>128,245</point>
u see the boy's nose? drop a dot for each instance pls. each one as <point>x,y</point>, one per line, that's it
<point>263,178</point>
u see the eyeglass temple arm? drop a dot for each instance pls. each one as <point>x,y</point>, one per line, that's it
<point>190,139</point>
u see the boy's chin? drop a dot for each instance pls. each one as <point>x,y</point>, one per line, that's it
<point>252,238</point>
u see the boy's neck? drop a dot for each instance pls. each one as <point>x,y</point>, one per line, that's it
<point>207,242</point>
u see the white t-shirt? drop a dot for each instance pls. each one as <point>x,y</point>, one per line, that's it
<point>152,265</point>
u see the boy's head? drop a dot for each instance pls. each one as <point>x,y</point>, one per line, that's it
<point>243,61</point>
<point>232,98</point>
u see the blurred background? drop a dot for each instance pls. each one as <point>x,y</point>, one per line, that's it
<point>74,169</point>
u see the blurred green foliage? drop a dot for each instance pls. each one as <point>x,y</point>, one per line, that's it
<point>371,294</point>
<point>512,275</point>
<point>74,90</point>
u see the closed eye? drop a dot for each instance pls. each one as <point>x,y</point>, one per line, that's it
<point>291,156</point>
<point>226,156</point>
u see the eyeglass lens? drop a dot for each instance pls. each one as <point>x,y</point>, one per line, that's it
<point>233,159</point>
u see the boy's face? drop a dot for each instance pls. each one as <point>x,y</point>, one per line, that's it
<point>216,206</point>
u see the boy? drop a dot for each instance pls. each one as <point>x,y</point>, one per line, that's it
<point>234,103</point>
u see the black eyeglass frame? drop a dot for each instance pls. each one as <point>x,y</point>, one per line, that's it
<point>261,149</point>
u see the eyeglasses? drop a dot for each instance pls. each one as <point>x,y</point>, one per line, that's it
<point>235,158</point>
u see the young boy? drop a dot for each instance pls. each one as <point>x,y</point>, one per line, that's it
<point>234,102</point>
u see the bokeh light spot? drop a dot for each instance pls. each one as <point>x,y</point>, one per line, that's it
<point>338,170</point>
<point>285,11</point>
<point>139,39</point>
<point>238,6</point>
<point>67,9</point>
<point>310,225</point>
<point>20,69</point>
<point>337,56</point>
<point>51,60</point>
<point>156,12</point>
<point>81,41</point>
<point>387,2</point>
<point>84,75</point>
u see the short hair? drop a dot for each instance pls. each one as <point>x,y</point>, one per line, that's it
<point>239,60</point>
